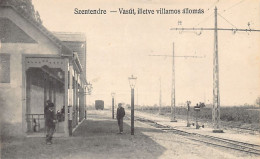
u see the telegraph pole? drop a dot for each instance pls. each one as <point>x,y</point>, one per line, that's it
<point>113,104</point>
<point>216,95</point>
<point>137,96</point>
<point>173,106</point>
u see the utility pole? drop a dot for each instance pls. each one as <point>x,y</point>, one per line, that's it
<point>113,104</point>
<point>216,95</point>
<point>173,106</point>
<point>188,113</point>
<point>137,97</point>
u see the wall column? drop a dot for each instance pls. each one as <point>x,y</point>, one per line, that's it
<point>76,95</point>
<point>66,69</point>
<point>70,98</point>
<point>28,100</point>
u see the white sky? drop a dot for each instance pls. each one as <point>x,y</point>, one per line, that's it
<point>119,45</point>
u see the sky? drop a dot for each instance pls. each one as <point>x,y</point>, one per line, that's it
<point>119,45</point>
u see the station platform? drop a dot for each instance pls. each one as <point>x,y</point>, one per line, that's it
<point>207,130</point>
<point>97,137</point>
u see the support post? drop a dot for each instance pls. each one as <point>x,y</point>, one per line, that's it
<point>173,108</point>
<point>197,122</point>
<point>216,97</point>
<point>188,120</point>
<point>66,96</point>
<point>86,103</point>
<point>71,99</point>
<point>113,108</point>
<point>76,98</point>
<point>132,111</point>
<point>188,113</point>
<point>70,120</point>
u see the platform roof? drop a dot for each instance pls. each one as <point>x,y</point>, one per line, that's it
<point>70,36</point>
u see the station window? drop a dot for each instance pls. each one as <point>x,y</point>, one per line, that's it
<point>4,68</point>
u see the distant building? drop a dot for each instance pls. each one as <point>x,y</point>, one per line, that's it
<point>37,65</point>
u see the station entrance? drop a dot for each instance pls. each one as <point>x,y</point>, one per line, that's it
<point>45,80</point>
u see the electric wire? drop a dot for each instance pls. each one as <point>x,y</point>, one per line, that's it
<point>227,20</point>
<point>214,4</point>
<point>209,8</point>
<point>225,10</point>
<point>205,19</point>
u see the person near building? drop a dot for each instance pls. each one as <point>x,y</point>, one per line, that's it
<point>46,107</point>
<point>119,116</point>
<point>50,122</point>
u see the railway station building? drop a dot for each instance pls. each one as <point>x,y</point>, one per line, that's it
<point>37,65</point>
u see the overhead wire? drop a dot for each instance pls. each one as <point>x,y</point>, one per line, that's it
<point>227,20</point>
<point>205,19</point>
<point>225,10</point>
<point>214,4</point>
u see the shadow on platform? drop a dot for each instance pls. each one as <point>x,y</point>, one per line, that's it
<point>101,133</point>
<point>96,137</point>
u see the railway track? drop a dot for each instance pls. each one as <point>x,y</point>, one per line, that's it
<point>254,130</point>
<point>206,139</point>
<point>245,129</point>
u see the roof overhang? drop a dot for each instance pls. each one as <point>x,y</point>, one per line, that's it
<point>64,50</point>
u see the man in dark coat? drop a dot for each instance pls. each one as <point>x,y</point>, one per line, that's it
<point>48,102</point>
<point>120,115</point>
<point>50,122</point>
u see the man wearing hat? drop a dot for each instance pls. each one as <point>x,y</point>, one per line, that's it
<point>50,122</point>
<point>120,115</point>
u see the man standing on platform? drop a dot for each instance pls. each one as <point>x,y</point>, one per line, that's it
<point>50,123</point>
<point>48,102</point>
<point>120,115</point>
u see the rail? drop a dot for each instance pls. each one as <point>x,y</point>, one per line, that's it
<point>210,140</point>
